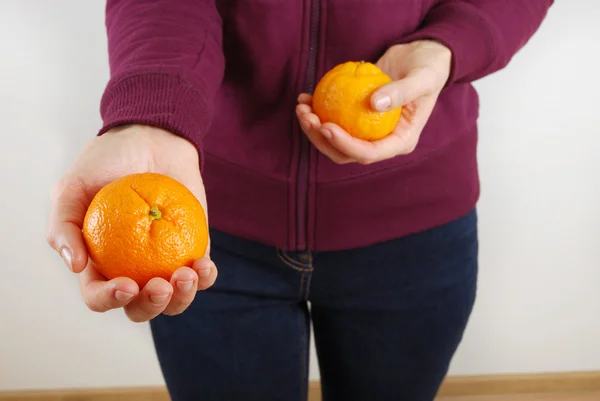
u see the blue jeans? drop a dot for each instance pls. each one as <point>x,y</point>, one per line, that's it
<point>387,320</point>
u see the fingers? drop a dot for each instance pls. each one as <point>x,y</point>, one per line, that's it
<point>174,297</point>
<point>311,125</point>
<point>341,147</point>
<point>185,285</point>
<point>363,152</point>
<point>337,144</point>
<point>100,295</point>
<point>150,302</point>
<point>206,271</point>
<point>402,141</point>
<point>68,207</point>
<point>158,296</point>
<point>305,98</point>
<point>418,83</point>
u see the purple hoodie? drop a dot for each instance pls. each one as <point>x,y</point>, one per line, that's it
<point>225,74</point>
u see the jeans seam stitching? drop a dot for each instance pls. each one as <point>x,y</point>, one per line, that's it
<point>290,263</point>
<point>294,264</point>
<point>303,346</point>
<point>306,278</point>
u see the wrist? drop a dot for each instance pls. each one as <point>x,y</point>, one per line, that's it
<point>441,59</point>
<point>157,140</point>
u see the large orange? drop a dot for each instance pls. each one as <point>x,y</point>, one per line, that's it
<point>143,226</point>
<point>343,97</point>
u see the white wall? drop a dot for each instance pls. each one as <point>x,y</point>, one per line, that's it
<point>538,307</point>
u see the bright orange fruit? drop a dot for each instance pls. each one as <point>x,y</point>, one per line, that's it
<point>143,226</point>
<point>343,97</point>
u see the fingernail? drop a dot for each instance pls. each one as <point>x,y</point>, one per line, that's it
<point>185,286</point>
<point>326,133</point>
<point>204,271</point>
<point>383,102</point>
<point>67,256</point>
<point>159,299</point>
<point>123,296</point>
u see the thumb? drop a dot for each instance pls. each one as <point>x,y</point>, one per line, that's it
<point>192,179</point>
<point>417,83</point>
<point>196,186</point>
<point>68,207</point>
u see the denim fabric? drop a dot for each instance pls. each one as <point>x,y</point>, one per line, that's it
<point>387,320</point>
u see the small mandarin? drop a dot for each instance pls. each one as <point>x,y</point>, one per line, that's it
<point>343,97</point>
<point>143,226</point>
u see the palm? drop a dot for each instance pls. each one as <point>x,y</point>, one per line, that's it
<point>119,152</point>
<point>419,72</point>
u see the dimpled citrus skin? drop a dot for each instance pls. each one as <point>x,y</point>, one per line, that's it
<point>143,226</point>
<point>343,97</point>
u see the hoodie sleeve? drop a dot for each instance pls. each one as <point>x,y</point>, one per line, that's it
<point>483,35</point>
<point>166,65</point>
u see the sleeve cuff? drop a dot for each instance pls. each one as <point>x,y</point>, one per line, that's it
<point>163,100</point>
<point>467,34</point>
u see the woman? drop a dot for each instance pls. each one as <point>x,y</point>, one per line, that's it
<point>380,238</point>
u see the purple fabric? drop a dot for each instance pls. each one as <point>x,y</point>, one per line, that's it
<point>226,74</point>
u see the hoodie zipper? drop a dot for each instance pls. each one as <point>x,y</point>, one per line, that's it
<point>305,149</point>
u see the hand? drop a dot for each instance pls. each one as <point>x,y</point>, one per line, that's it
<point>419,71</point>
<point>122,151</point>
